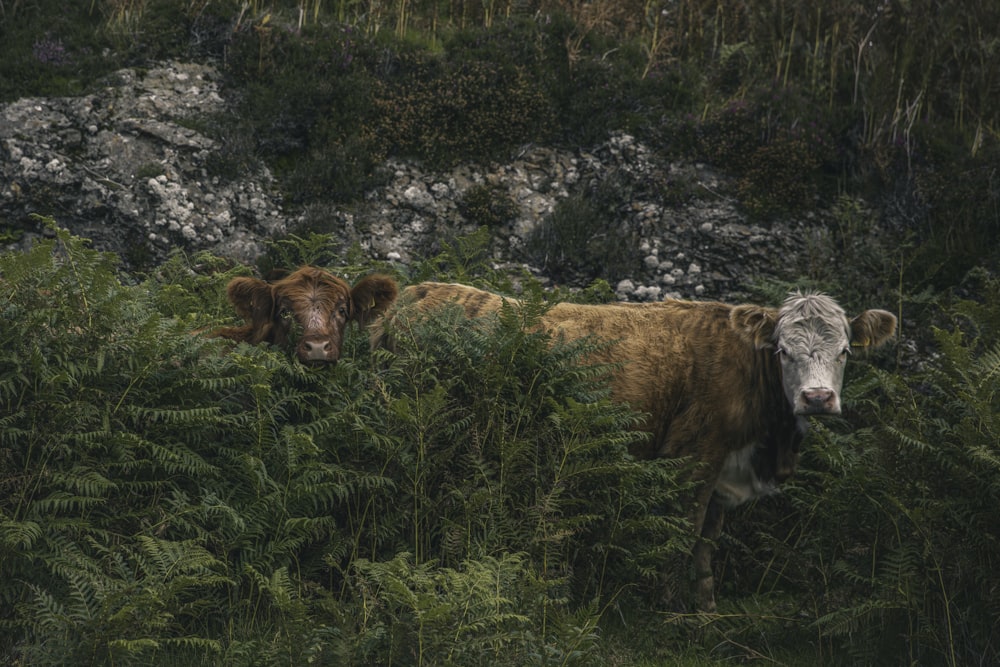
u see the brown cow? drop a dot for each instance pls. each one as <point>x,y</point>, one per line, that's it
<point>307,310</point>
<point>728,386</point>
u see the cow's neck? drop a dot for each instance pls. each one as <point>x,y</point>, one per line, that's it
<point>771,454</point>
<point>767,392</point>
<point>776,453</point>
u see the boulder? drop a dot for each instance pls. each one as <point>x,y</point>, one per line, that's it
<point>124,167</point>
<point>127,168</point>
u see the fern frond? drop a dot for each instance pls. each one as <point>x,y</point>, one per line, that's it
<point>19,535</point>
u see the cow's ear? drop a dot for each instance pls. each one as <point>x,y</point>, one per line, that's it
<point>254,301</point>
<point>372,296</point>
<point>755,324</point>
<point>872,328</point>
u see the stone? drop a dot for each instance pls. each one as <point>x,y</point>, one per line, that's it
<point>122,167</point>
<point>624,287</point>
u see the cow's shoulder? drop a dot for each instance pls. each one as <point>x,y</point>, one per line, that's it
<point>428,296</point>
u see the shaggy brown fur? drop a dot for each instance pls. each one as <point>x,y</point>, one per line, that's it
<point>706,374</point>
<point>307,310</point>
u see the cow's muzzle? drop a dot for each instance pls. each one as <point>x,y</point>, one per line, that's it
<point>818,401</point>
<point>317,351</point>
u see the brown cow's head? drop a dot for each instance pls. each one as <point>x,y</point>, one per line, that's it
<point>307,310</point>
<point>813,338</point>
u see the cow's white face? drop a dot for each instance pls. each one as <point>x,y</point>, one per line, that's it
<point>812,339</point>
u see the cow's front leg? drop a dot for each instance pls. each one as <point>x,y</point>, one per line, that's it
<point>711,529</point>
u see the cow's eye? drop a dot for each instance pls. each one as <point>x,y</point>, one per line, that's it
<point>844,354</point>
<point>342,311</point>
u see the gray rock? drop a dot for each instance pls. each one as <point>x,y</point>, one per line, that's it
<point>122,167</point>
<point>118,166</point>
<point>624,289</point>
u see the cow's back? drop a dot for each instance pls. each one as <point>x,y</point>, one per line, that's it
<point>681,362</point>
<point>429,296</point>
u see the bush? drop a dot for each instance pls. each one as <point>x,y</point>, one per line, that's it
<point>305,98</point>
<point>584,238</point>
<point>175,499</point>
<point>932,546</point>
<point>781,176</point>
<point>445,113</point>
<point>487,206</point>
<point>958,198</point>
<point>50,53</point>
<point>777,146</point>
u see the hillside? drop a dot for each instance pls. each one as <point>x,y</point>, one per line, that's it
<point>169,499</point>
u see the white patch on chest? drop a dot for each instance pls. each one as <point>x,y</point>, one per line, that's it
<point>738,483</point>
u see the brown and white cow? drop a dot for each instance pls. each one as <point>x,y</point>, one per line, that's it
<point>728,386</point>
<point>307,310</point>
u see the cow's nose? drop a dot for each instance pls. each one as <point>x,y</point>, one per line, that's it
<point>820,399</point>
<point>315,350</point>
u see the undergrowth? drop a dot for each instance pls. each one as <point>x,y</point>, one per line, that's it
<point>468,499</point>
<point>169,498</point>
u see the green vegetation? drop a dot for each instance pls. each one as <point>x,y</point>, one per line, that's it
<point>165,500</point>
<point>576,241</point>
<point>487,206</point>
<point>170,499</point>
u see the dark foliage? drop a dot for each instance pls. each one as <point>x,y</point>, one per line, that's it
<point>445,113</point>
<point>166,499</point>
<point>486,205</point>
<point>586,237</point>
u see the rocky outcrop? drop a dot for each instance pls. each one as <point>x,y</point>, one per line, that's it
<point>126,167</point>
<point>702,248</point>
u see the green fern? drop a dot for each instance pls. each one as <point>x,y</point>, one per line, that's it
<point>170,498</point>
<point>919,564</point>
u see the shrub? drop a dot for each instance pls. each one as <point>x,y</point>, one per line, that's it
<point>731,135</point>
<point>487,205</point>
<point>958,203</point>
<point>780,177</point>
<point>102,436</point>
<point>777,147</point>
<point>445,113</point>
<point>305,98</point>
<point>936,539</point>
<point>175,499</point>
<point>584,238</point>
<point>50,53</point>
